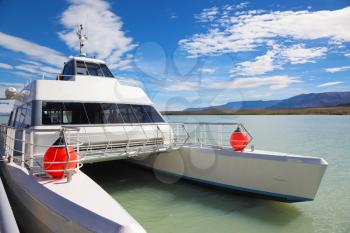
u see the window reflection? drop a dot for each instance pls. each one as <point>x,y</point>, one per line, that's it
<point>93,69</point>
<point>54,113</point>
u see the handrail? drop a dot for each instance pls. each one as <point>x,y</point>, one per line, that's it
<point>212,133</point>
<point>117,141</point>
<point>19,149</point>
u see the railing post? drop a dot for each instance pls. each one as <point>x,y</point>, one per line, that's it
<point>23,147</point>
<point>78,143</point>
<point>68,173</point>
<point>200,135</point>
<point>31,151</point>
<point>12,145</point>
<point>222,136</point>
<point>144,142</point>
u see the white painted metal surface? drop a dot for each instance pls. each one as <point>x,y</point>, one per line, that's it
<point>286,177</point>
<point>89,89</point>
<point>57,206</point>
<point>7,219</point>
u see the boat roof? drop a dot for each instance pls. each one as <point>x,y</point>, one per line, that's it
<point>86,59</point>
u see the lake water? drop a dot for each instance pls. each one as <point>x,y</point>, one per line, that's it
<point>187,208</point>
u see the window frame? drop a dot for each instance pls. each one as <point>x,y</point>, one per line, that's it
<point>125,114</point>
<point>69,65</point>
<point>105,68</point>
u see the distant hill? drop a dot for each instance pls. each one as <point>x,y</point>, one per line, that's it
<point>344,105</point>
<point>312,100</point>
<point>244,105</point>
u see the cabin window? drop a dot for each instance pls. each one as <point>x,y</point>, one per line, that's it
<point>68,70</point>
<point>111,114</point>
<point>153,114</point>
<point>141,113</point>
<point>23,116</point>
<point>54,113</point>
<point>106,71</point>
<point>10,119</point>
<point>63,113</point>
<point>13,121</point>
<point>93,69</point>
<point>127,113</point>
<point>81,68</point>
<point>94,113</point>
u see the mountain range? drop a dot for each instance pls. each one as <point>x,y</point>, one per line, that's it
<point>312,100</point>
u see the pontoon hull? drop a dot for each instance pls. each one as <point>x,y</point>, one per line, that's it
<point>288,178</point>
<point>39,209</point>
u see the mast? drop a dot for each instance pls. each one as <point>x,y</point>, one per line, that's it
<point>82,38</point>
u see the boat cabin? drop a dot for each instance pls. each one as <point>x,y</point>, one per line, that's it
<point>91,96</point>
<point>83,66</point>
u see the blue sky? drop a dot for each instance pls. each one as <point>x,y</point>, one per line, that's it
<point>186,53</point>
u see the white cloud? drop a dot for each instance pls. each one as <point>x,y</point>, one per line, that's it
<point>206,70</point>
<point>173,16</point>
<point>252,29</point>
<point>27,68</point>
<point>273,82</point>
<point>24,74</point>
<point>258,95</point>
<point>261,65</point>
<point>242,5</point>
<point>31,62</point>
<point>106,39</point>
<point>32,50</point>
<point>49,70</point>
<point>11,84</point>
<point>277,57</point>
<point>125,64</point>
<point>6,66</point>
<point>337,69</point>
<point>183,86</point>
<point>298,54</point>
<point>37,69</point>
<point>207,14</point>
<point>329,84</point>
<point>34,70</point>
<point>347,55</point>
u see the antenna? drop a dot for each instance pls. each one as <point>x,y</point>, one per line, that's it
<point>82,38</point>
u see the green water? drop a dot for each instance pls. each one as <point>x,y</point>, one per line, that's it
<point>187,208</point>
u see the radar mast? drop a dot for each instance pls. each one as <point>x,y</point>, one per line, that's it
<point>82,38</point>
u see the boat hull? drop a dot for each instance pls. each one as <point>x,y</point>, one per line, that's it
<point>279,176</point>
<point>39,209</point>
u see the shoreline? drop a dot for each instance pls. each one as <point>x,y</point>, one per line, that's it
<point>297,111</point>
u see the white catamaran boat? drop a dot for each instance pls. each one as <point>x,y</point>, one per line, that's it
<point>87,115</point>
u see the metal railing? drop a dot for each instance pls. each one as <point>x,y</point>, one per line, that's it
<point>213,134</point>
<point>108,142</point>
<point>130,140</point>
<point>18,145</point>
